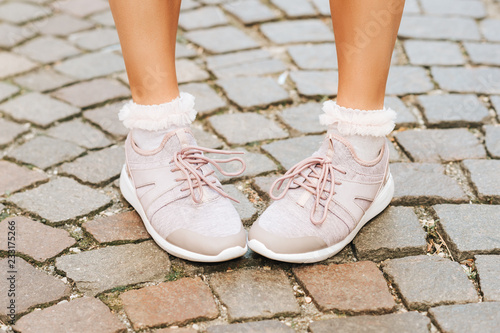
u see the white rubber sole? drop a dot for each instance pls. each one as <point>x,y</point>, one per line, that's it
<point>379,204</point>
<point>128,192</point>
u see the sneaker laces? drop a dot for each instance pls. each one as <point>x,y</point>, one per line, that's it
<point>189,161</point>
<point>313,174</point>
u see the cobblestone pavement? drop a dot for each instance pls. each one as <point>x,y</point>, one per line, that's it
<point>259,71</point>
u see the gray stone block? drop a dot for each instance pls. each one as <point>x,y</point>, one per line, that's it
<point>10,130</point>
<point>470,229</point>
<point>434,27</point>
<point>244,207</point>
<point>454,8</point>
<point>250,11</point>
<point>304,118</point>
<point>47,49</point>
<point>20,12</point>
<point>7,90</point>
<point>249,92</point>
<point>103,269</point>
<point>314,56</point>
<point>484,176</point>
<point>489,28</point>
<point>291,151</point>
<point>11,35</point>
<point>44,152</point>
<point>423,52</point>
<point>253,68</point>
<point>297,31</point>
<point>13,64</point>
<point>481,317</point>
<point>493,140</point>
<point>189,71</point>
<point>314,83</point>
<point>483,54</point>
<point>43,80</point>
<point>95,39</point>
<point>204,17</point>
<point>427,281</point>
<point>481,80</point>
<point>440,145</point>
<point>404,80</point>
<point>61,199</point>
<point>91,65</point>
<point>394,233</point>
<point>488,268</point>
<point>79,133</point>
<point>295,8</point>
<point>61,24</point>
<point>221,39</point>
<point>207,99</point>
<point>272,326</point>
<point>453,109</point>
<point>424,183</point>
<point>404,115</point>
<point>241,128</point>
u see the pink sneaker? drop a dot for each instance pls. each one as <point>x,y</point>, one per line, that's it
<point>181,202</point>
<point>327,199</point>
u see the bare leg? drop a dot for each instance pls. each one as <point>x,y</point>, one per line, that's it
<point>365,33</point>
<point>147,31</point>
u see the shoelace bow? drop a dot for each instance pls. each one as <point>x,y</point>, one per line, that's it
<point>313,174</point>
<point>189,161</point>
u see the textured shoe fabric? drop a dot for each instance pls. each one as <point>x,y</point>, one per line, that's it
<point>326,200</point>
<point>180,200</point>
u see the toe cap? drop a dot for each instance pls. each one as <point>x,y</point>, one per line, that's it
<point>205,245</point>
<point>284,245</point>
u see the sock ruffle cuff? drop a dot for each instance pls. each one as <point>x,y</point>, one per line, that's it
<point>178,112</point>
<point>358,122</point>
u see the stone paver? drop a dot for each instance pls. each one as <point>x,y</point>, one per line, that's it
<point>481,80</point>
<point>427,281</point>
<point>244,208</point>
<point>266,293</point>
<point>61,25</point>
<point>482,317</point>
<point>44,152</point>
<point>13,64</point>
<point>454,8</point>
<point>322,6</point>
<point>314,56</point>
<point>80,133</point>
<point>207,100</point>
<point>184,51</point>
<point>126,226</point>
<point>204,17</point>
<point>304,118</point>
<point>427,145</point>
<point>271,326</point>
<point>236,58</point>
<point>47,49</point>
<point>43,80</point>
<point>35,239</point>
<point>483,176</point>
<point>433,27</point>
<point>298,31</point>
<point>404,80</point>
<point>33,287</point>
<point>7,90</point>
<point>291,151</point>
<point>81,8</point>
<point>90,65</point>
<point>348,288</point>
<point>256,164</point>
<point>174,302</point>
<point>313,83</point>
<point>404,115</point>
<point>106,268</point>
<point>97,167</point>
<point>422,52</point>
<point>37,108</point>
<point>488,268</point>
<point>11,35</point>
<point>188,71</point>
<point>93,92</point>
<point>10,131</point>
<point>489,28</point>
<point>483,54</point>
<point>425,183</point>
<point>20,177</point>
<point>394,233</point>
<point>221,39</point>
<point>240,128</point>
<point>409,322</point>
<point>295,8</point>
<point>95,39</point>
<point>81,314</point>
<point>254,68</point>
<point>456,222</point>
<point>250,11</point>
<point>453,109</point>
<point>206,139</point>
<point>106,117</point>
<point>249,92</point>
<point>60,199</point>
<point>20,12</point>
<point>493,140</point>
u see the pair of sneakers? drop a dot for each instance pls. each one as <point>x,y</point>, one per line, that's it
<point>325,200</point>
